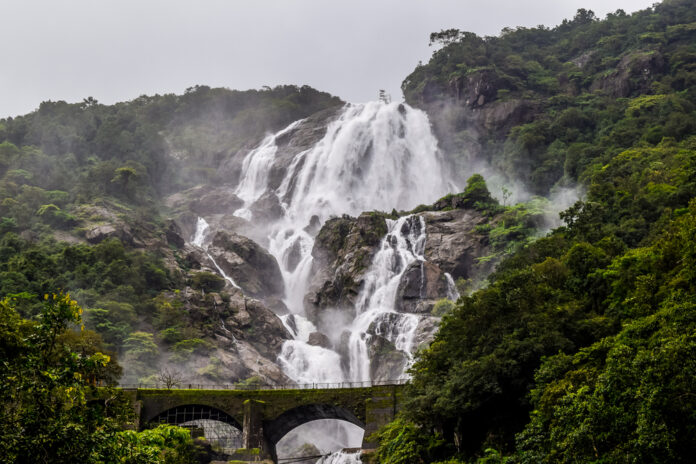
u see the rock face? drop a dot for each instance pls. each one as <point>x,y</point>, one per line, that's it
<point>302,137</point>
<point>100,233</point>
<point>634,73</point>
<point>342,254</point>
<point>205,200</point>
<point>345,246</point>
<point>248,264</point>
<point>421,286</point>
<point>453,244</point>
<point>477,88</point>
<point>247,337</point>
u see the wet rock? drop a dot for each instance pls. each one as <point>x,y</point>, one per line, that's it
<point>314,226</point>
<point>268,371</point>
<point>386,362</point>
<point>421,285</point>
<point>302,138</point>
<point>251,267</point>
<point>266,209</point>
<point>173,234</point>
<point>294,255</point>
<point>342,254</point>
<point>319,339</point>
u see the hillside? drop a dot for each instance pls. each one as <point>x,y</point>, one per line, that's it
<point>280,236</point>
<point>581,349</point>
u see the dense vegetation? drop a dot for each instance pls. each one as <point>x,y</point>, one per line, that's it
<point>50,408</point>
<point>544,104</point>
<point>582,348</point>
<point>68,169</point>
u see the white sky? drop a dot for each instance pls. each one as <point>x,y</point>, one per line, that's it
<point>116,50</point>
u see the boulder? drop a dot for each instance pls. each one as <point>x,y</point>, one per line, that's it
<point>386,362</point>
<point>421,285</point>
<point>319,339</point>
<point>342,254</point>
<point>266,209</point>
<point>173,234</point>
<point>250,266</point>
<point>102,232</point>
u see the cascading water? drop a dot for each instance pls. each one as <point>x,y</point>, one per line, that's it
<point>374,156</point>
<point>199,239</point>
<point>403,244</point>
<point>255,167</point>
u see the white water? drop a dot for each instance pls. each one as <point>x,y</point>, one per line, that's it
<point>341,457</point>
<point>255,168</point>
<point>374,156</point>
<point>200,238</point>
<point>403,245</point>
<point>452,292</point>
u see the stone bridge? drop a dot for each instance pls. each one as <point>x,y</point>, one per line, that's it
<point>265,416</point>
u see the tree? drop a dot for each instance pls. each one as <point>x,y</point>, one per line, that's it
<point>50,408</point>
<point>170,378</point>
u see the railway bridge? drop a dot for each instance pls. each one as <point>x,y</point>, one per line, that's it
<point>266,414</point>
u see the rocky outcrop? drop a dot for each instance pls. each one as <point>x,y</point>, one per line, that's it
<point>205,200</point>
<point>453,244</point>
<point>246,337</point>
<point>173,234</point>
<point>634,73</point>
<point>100,233</point>
<point>422,284</point>
<point>302,137</point>
<point>342,254</point>
<point>477,88</point>
<point>253,268</point>
<point>344,248</point>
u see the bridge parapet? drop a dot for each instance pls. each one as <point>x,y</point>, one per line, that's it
<point>266,415</point>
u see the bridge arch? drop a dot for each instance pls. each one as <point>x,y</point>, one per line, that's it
<point>193,412</point>
<point>293,418</point>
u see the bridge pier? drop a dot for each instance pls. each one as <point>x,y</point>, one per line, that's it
<point>380,409</point>
<point>253,437</point>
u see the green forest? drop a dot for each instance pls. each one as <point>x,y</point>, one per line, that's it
<point>581,348</point>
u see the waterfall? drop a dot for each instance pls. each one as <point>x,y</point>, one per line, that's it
<point>452,292</point>
<point>255,168</point>
<point>199,239</point>
<point>373,156</point>
<point>403,245</point>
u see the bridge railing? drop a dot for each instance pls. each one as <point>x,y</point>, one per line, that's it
<point>254,386</point>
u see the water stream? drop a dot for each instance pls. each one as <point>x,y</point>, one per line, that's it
<point>373,156</point>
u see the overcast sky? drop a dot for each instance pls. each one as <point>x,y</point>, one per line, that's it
<point>117,50</point>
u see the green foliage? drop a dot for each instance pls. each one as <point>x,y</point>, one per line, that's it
<point>442,307</point>
<point>207,281</point>
<point>47,386</point>
<point>580,349</point>
<point>402,442</point>
<point>569,94</point>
